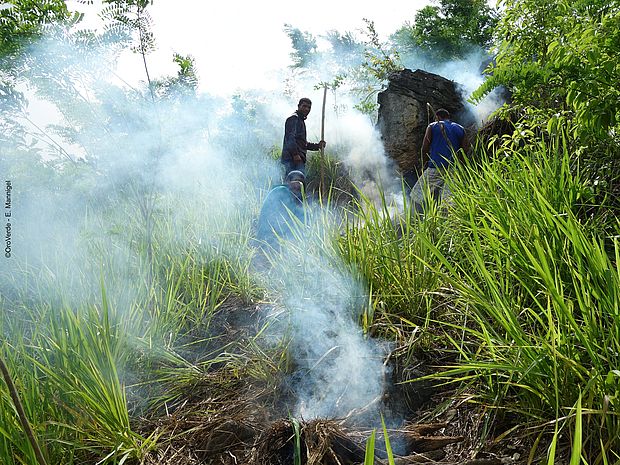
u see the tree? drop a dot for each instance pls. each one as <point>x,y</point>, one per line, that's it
<point>450,29</point>
<point>345,47</point>
<point>23,21</point>
<point>380,60</point>
<point>127,18</point>
<point>304,46</point>
<point>21,25</point>
<point>185,83</point>
<point>561,57</point>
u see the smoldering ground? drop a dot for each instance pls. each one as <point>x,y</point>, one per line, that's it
<point>337,371</point>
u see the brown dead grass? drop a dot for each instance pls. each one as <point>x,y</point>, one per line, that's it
<point>232,416</point>
<point>322,442</point>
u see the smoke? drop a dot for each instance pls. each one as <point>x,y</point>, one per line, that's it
<point>343,55</point>
<point>109,161</point>
<point>117,173</point>
<point>373,172</point>
<point>352,135</point>
<point>337,370</point>
<point>467,73</point>
<point>114,174</point>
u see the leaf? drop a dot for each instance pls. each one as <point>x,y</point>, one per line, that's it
<point>369,458</point>
<point>575,456</point>
<point>388,447</point>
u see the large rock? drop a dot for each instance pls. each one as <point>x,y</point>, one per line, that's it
<point>407,106</point>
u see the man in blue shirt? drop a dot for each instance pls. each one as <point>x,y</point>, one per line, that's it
<point>295,145</point>
<point>282,209</point>
<point>442,141</point>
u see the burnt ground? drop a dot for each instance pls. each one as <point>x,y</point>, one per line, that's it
<point>236,414</point>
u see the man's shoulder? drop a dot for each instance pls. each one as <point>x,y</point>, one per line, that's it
<point>276,195</point>
<point>279,189</point>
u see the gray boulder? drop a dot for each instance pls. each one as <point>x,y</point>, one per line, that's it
<point>407,106</point>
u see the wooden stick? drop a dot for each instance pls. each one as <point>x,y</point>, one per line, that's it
<point>21,413</point>
<point>322,188</point>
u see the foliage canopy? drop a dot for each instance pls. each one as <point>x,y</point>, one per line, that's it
<point>561,57</point>
<point>449,29</point>
<point>24,21</point>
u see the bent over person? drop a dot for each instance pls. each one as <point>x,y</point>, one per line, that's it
<point>282,208</point>
<point>295,145</point>
<point>442,140</point>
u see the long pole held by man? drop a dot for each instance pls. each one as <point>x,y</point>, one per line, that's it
<point>322,189</point>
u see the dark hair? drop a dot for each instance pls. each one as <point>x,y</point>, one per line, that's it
<point>295,176</point>
<point>442,113</point>
<point>304,100</point>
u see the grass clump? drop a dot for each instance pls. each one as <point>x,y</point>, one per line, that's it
<point>536,291</point>
<point>392,258</point>
<point>515,281</point>
<point>517,277</point>
<point>88,371</point>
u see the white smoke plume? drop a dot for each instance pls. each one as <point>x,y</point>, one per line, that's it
<point>359,143</point>
<point>337,370</point>
<point>110,160</point>
<point>193,168</point>
<point>200,164</point>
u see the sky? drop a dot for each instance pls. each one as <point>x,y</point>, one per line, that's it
<point>241,44</point>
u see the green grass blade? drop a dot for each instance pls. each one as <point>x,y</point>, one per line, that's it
<point>369,457</point>
<point>575,456</point>
<point>388,446</point>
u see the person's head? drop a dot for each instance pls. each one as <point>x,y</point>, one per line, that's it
<point>304,106</point>
<point>295,181</point>
<point>442,114</point>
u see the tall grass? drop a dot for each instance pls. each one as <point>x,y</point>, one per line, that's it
<point>388,251</point>
<point>522,276</point>
<point>87,368</point>
<point>535,291</point>
<point>67,375</point>
<point>515,271</point>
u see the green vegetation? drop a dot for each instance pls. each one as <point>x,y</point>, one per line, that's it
<point>369,457</point>
<point>23,22</point>
<point>87,373</point>
<point>515,277</point>
<point>449,30</point>
<point>560,59</point>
